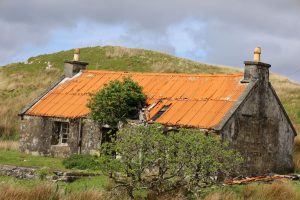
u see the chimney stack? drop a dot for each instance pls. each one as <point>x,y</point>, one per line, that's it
<point>74,66</point>
<point>256,70</point>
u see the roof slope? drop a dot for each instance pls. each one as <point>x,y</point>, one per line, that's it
<point>191,100</point>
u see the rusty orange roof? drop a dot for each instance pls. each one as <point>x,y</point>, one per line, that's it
<point>192,100</point>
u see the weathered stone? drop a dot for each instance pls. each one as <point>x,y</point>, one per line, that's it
<point>260,130</point>
<point>32,173</point>
<point>36,134</point>
<point>18,172</point>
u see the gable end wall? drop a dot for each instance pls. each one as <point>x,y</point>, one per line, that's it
<point>260,130</point>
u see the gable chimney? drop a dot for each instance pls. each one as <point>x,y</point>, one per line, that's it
<point>74,66</point>
<point>256,70</point>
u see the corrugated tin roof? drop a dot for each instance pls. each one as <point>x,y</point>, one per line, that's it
<point>194,100</point>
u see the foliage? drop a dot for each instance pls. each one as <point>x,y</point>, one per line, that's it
<point>160,161</point>
<point>117,101</point>
<point>12,188</point>
<point>80,161</point>
<point>43,173</point>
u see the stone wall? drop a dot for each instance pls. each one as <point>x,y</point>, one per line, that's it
<point>33,173</point>
<point>91,137</point>
<point>18,172</point>
<point>260,131</point>
<point>36,134</point>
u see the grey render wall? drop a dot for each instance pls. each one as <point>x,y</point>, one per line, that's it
<point>260,130</point>
<point>36,133</point>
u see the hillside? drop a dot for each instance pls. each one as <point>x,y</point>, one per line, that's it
<point>21,82</point>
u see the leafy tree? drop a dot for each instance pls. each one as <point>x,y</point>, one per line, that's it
<point>150,158</point>
<point>117,101</point>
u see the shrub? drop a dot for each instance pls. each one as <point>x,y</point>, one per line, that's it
<point>116,102</point>
<point>42,173</point>
<point>150,158</point>
<point>81,161</point>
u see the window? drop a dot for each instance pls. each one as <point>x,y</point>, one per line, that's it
<point>60,133</point>
<point>159,113</point>
<point>107,134</point>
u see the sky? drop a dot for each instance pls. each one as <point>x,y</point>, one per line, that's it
<point>210,31</point>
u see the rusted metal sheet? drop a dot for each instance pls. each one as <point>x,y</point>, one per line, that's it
<point>260,179</point>
<point>194,100</point>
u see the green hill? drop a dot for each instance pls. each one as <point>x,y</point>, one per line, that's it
<point>22,82</point>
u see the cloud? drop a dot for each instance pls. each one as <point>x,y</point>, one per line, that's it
<point>215,31</point>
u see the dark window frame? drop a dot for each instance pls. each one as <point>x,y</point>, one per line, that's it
<point>61,131</point>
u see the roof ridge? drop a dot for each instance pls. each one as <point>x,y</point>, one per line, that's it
<point>163,73</point>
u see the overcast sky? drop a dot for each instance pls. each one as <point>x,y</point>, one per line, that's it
<point>213,31</point>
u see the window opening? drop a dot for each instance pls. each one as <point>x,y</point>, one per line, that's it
<point>60,133</point>
<point>159,113</point>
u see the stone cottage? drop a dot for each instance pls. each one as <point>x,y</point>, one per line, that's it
<point>242,108</point>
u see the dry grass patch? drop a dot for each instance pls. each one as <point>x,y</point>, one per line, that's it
<point>47,191</point>
<point>87,195</point>
<point>221,196</point>
<point>297,140</point>
<point>9,145</point>
<point>275,191</point>
<point>120,52</point>
<point>41,192</point>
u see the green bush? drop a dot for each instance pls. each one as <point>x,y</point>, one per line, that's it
<point>164,162</point>
<point>81,162</point>
<point>116,102</point>
<point>43,173</point>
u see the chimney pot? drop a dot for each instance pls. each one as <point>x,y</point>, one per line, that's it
<point>76,54</point>
<point>257,52</point>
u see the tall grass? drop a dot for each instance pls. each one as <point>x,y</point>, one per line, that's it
<point>223,195</point>
<point>16,92</point>
<point>40,192</point>
<point>9,145</point>
<point>275,191</point>
<point>48,191</point>
<point>296,155</point>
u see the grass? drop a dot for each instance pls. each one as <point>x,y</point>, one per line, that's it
<point>82,189</point>
<point>296,155</point>
<point>78,185</point>
<point>14,157</point>
<point>12,188</point>
<point>9,145</point>
<point>96,188</point>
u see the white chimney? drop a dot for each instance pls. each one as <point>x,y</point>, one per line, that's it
<point>257,52</point>
<point>76,54</point>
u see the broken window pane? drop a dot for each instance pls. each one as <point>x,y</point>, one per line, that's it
<point>60,133</point>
